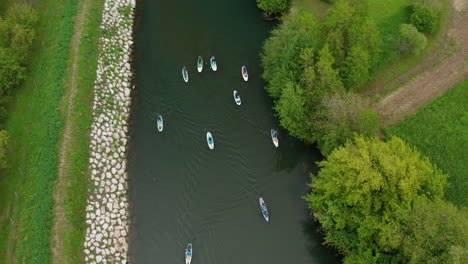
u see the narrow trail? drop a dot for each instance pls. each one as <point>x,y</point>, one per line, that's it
<point>434,81</point>
<point>61,187</point>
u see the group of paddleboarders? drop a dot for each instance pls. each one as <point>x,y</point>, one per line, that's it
<point>237,99</point>
<point>210,140</point>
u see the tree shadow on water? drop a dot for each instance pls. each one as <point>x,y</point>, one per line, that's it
<point>292,151</point>
<point>314,238</point>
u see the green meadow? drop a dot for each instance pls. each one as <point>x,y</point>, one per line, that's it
<point>439,131</point>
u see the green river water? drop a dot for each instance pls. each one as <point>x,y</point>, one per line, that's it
<point>180,190</point>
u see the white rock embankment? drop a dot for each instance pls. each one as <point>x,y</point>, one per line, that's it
<point>107,208</point>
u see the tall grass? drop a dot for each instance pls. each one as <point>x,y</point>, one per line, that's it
<point>81,120</point>
<point>35,126</point>
<point>439,131</point>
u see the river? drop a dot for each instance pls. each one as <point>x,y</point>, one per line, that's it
<point>180,190</point>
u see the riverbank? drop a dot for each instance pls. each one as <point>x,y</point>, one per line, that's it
<point>107,206</point>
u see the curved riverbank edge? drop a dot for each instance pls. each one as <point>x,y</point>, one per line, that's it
<point>107,205</point>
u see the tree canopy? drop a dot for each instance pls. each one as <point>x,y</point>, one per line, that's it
<point>361,192</point>
<point>412,40</point>
<point>306,60</point>
<point>424,17</point>
<point>16,36</point>
<point>274,6</point>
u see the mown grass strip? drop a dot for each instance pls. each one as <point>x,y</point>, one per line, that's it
<point>81,121</point>
<point>439,131</point>
<point>35,126</point>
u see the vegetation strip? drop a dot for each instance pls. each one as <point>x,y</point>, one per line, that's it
<point>60,192</point>
<point>35,126</point>
<point>107,209</point>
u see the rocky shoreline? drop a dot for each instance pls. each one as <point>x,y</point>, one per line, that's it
<point>107,212</point>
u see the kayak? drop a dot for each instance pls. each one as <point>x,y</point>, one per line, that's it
<point>264,209</point>
<point>214,67</point>
<point>200,64</point>
<point>185,74</point>
<point>160,123</point>
<point>274,137</point>
<point>210,140</point>
<point>188,254</point>
<point>245,75</point>
<point>237,98</point>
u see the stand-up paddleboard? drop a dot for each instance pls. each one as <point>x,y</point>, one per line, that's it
<point>200,64</point>
<point>160,123</point>
<point>245,74</point>
<point>210,140</point>
<point>237,98</point>
<point>185,74</point>
<point>274,137</point>
<point>214,67</point>
<point>264,209</point>
<point>188,254</point>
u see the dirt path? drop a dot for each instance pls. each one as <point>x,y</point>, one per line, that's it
<point>61,187</point>
<point>433,81</point>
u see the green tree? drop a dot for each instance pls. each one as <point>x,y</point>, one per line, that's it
<point>357,67</point>
<point>424,17</point>
<point>327,77</point>
<point>433,232</point>
<point>274,6</point>
<point>3,146</point>
<point>362,188</point>
<point>281,52</point>
<point>368,122</point>
<point>292,111</point>
<point>16,36</point>
<point>348,24</point>
<point>339,119</point>
<point>412,40</point>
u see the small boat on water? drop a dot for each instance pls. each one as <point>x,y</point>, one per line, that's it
<point>237,98</point>
<point>185,74</point>
<point>210,140</point>
<point>188,254</point>
<point>214,67</point>
<point>245,74</point>
<point>200,64</point>
<point>264,209</point>
<point>274,137</point>
<point>160,123</point>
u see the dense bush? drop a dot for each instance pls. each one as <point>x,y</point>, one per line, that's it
<point>424,17</point>
<point>411,39</point>
<point>282,51</point>
<point>16,36</point>
<point>274,6</point>
<point>374,200</point>
<point>305,60</point>
<point>343,115</point>
<point>3,146</point>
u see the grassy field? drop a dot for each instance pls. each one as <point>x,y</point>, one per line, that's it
<point>81,120</point>
<point>439,131</point>
<point>394,64</point>
<point>35,125</point>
